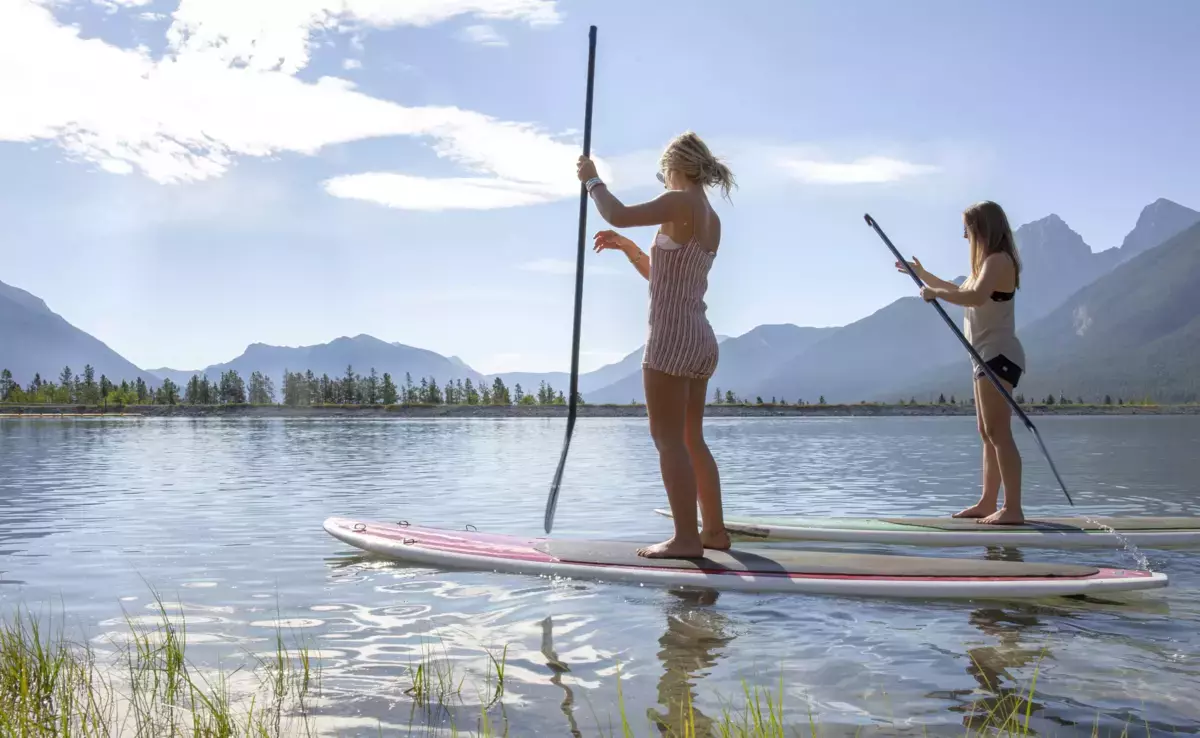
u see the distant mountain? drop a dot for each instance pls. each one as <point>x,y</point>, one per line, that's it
<point>745,361</point>
<point>362,353</point>
<point>1158,222</point>
<point>36,340</point>
<point>628,370</point>
<point>179,376</point>
<point>895,342</point>
<point>1133,333</point>
<point>1057,262</point>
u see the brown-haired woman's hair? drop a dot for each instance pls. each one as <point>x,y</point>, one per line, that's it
<point>989,233</point>
<point>690,156</point>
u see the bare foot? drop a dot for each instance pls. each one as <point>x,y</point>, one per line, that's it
<point>718,540</point>
<point>1004,516</point>
<point>979,510</point>
<point>670,549</point>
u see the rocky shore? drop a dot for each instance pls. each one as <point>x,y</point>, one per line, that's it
<point>560,411</point>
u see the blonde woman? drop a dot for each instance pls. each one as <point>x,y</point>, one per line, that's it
<point>990,326</point>
<point>681,349</point>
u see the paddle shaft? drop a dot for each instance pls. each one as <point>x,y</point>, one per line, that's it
<point>974,354</point>
<point>552,501</point>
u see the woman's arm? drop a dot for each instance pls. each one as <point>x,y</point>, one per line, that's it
<point>935,281</point>
<point>925,276</point>
<point>639,259</point>
<point>977,294</point>
<point>669,206</point>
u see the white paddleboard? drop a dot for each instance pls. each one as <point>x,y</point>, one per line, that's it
<point>1149,532</point>
<point>742,569</point>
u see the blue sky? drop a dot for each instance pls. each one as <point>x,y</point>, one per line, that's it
<point>181,178</point>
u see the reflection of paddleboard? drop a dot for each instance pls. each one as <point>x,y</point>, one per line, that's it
<point>947,531</point>
<point>756,570</point>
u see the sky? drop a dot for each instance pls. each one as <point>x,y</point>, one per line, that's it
<point>181,178</point>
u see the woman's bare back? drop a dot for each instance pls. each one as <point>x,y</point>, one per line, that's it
<point>704,224</point>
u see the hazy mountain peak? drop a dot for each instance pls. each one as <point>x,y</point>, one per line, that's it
<point>24,299</point>
<point>1049,234</point>
<point>1158,222</point>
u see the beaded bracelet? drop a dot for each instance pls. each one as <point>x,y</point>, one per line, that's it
<point>591,183</point>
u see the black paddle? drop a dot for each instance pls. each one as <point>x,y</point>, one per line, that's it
<point>552,502</point>
<point>987,369</point>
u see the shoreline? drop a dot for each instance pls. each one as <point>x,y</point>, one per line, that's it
<point>560,411</point>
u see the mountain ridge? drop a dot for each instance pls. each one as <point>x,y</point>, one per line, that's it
<point>887,349</point>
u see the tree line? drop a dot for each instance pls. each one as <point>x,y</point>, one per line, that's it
<point>306,389</point>
<point>85,389</point>
<point>298,389</point>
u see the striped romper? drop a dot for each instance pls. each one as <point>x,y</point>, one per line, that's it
<point>680,341</point>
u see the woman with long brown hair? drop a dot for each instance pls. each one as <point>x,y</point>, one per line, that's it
<point>990,325</point>
<point>681,349</point>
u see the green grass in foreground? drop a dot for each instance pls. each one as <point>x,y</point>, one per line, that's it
<point>50,686</point>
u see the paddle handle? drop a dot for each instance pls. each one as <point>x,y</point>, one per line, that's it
<point>572,401</point>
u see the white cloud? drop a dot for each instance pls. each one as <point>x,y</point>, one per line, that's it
<point>189,116</point>
<point>483,35</point>
<point>563,267</point>
<point>351,64</point>
<point>276,34</point>
<point>866,170</point>
<point>114,5</point>
<point>406,192</point>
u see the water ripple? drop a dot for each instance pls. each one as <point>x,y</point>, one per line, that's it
<point>221,517</point>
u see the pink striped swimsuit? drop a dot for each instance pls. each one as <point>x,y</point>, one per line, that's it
<point>680,340</point>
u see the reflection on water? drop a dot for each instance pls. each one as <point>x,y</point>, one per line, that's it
<point>223,519</point>
<point>696,636</point>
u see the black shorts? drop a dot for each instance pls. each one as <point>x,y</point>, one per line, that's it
<point>1002,368</point>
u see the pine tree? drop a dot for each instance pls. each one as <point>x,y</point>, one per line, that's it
<point>1108,399</point>
<point>717,396</point>
<point>729,398</point>
<point>6,385</point>
<point>409,396</point>
<point>821,401</point>
<point>485,395</point>
<point>518,394</point>
<point>500,393</point>
<point>191,394</point>
<point>168,393</point>
<point>434,396</point>
<point>388,391</point>
<point>472,395</point>
<point>373,388</point>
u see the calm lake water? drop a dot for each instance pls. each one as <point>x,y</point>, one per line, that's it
<point>224,517</point>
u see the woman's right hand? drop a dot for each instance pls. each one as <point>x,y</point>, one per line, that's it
<point>612,240</point>
<point>915,265</point>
